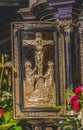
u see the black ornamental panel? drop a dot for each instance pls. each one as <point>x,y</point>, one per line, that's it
<point>39,70</point>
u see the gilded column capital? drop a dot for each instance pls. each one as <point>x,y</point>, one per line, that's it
<point>65,22</point>
<point>67,25</point>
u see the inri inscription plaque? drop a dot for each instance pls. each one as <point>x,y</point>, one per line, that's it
<point>34,64</point>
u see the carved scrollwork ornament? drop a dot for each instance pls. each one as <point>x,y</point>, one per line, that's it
<point>81,32</point>
<point>15,30</point>
<point>67,29</point>
<point>67,39</point>
<point>68,25</point>
<point>38,128</point>
<point>80,26</point>
<point>63,23</point>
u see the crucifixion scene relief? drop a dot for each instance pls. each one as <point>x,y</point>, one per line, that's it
<point>41,64</point>
<point>39,84</point>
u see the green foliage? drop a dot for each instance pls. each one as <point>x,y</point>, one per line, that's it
<point>6,120</point>
<point>58,108</point>
<point>67,123</point>
<point>69,93</point>
<point>75,121</point>
<point>6,102</point>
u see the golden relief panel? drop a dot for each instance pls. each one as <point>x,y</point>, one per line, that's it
<point>39,86</point>
<point>34,81</point>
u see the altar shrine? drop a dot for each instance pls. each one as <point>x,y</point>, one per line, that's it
<point>47,58</point>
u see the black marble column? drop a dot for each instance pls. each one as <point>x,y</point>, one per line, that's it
<point>68,56</point>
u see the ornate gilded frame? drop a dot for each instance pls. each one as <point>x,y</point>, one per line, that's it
<point>36,110</point>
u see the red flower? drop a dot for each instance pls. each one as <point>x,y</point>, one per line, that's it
<point>2,112</point>
<point>76,105</point>
<point>5,69</point>
<point>79,90</point>
<point>73,99</point>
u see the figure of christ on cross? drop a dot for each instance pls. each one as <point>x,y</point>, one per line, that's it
<point>39,43</point>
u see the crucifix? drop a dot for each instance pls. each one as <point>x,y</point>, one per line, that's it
<point>39,43</point>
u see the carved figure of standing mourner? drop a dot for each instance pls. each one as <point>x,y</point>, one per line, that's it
<point>30,76</point>
<point>49,85</point>
<point>49,75</point>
